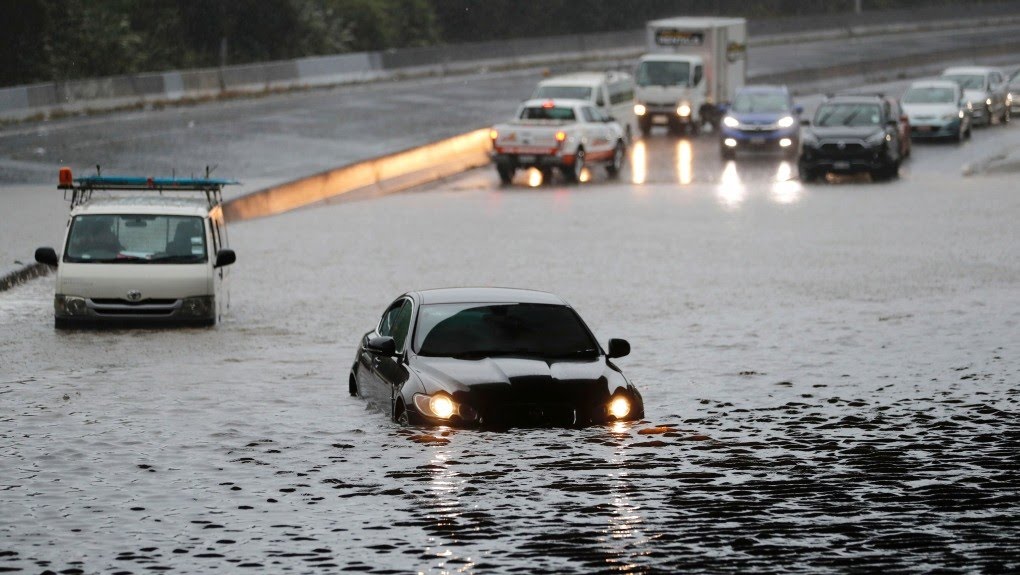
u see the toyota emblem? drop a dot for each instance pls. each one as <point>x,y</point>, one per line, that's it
<point>841,145</point>
<point>134,295</point>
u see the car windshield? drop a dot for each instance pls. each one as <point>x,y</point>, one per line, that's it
<point>566,92</point>
<point>760,103</point>
<point>134,238</point>
<point>848,114</point>
<point>968,81</point>
<point>478,330</point>
<point>929,95</point>
<point>659,73</point>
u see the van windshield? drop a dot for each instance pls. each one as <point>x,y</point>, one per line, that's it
<point>136,238</point>
<point>564,92</point>
<point>664,73</point>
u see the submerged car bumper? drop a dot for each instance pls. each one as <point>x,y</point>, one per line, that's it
<point>856,159</point>
<point>79,311</point>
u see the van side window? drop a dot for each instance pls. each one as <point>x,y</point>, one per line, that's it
<point>620,92</point>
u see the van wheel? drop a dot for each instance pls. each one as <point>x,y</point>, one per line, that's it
<point>573,173</point>
<point>619,155</point>
<point>506,173</point>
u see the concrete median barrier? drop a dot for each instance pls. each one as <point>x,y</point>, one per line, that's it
<point>386,174</point>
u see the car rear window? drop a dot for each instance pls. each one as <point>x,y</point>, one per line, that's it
<point>547,113</point>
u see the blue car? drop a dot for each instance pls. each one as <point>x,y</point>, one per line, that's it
<point>761,118</point>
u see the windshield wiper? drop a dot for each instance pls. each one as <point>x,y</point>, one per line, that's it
<point>850,118</point>
<point>178,259</point>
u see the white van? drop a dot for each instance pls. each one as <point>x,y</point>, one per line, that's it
<point>141,251</point>
<point>612,92</point>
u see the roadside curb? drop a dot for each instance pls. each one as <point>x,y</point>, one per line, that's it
<point>21,272</point>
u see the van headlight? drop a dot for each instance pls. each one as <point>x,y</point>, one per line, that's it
<point>200,306</point>
<point>640,110</point>
<point>69,305</point>
<point>683,110</point>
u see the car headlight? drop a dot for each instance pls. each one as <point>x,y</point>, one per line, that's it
<point>785,121</point>
<point>640,110</point>
<point>988,101</point>
<point>200,306</point>
<point>808,139</point>
<point>442,406</point>
<point>878,139</point>
<point>730,122</point>
<point>68,305</point>
<point>619,407</point>
<point>683,110</point>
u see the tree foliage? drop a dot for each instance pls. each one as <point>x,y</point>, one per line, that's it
<point>47,40</point>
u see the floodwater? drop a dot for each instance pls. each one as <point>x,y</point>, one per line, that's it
<point>831,376</point>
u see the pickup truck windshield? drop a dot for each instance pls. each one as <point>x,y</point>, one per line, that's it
<point>664,73</point>
<point>136,238</point>
<point>565,92</point>
<point>760,103</point>
<point>930,95</point>
<point>477,330</point>
<point>547,113</point>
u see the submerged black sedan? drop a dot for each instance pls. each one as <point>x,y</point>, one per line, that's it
<point>491,357</point>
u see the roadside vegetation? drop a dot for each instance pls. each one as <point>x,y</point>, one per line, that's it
<point>55,40</point>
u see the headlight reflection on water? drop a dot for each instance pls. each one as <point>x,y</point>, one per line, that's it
<point>639,163</point>
<point>684,162</point>
<point>786,189</point>
<point>730,191</point>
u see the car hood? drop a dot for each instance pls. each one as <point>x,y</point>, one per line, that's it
<point>936,110</point>
<point>519,380</point>
<point>763,119</point>
<point>161,281</point>
<point>835,132</point>
<point>975,96</point>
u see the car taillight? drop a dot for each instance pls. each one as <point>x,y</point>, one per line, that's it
<point>561,136</point>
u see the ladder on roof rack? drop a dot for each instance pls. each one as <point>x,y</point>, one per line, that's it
<point>81,188</point>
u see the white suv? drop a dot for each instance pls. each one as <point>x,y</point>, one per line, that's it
<point>146,251</point>
<point>612,92</point>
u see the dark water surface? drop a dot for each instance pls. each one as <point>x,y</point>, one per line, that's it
<point>831,376</point>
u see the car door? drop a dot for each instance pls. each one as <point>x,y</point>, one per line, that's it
<point>391,371</point>
<point>600,134</point>
<point>370,385</point>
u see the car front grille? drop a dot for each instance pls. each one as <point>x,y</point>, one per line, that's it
<point>846,150</point>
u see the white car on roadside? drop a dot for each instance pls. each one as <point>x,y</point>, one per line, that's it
<point>564,134</point>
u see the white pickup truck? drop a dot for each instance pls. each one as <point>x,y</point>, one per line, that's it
<point>558,133</point>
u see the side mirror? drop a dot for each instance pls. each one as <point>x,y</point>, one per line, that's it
<point>46,256</point>
<point>798,110</point>
<point>383,345</point>
<point>618,348</point>
<point>805,122</point>
<point>225,258</point>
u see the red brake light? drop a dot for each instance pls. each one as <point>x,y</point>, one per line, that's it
<point>561,136</point>
<point>66,179</point>
<point>548,104</point>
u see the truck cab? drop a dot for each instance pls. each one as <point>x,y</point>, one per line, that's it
<point>693,66</point>
<point>141,251</point>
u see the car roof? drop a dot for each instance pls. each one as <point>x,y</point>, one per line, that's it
<point>587,79</point>
<point>934,84</point>
<point>969,70</point>
<point>764,88</point>
<point>487,295</point>
<point>152,205</point>
<point>559,102</point>
<point>861,98</point>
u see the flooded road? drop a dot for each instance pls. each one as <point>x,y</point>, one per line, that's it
<point>831,376</point>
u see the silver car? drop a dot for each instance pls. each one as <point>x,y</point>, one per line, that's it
<point>985,89</point>
<point>937,110</point>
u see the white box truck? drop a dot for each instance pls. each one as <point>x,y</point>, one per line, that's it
<point>693,66</point>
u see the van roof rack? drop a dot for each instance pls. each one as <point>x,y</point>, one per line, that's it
<point>81,188</point>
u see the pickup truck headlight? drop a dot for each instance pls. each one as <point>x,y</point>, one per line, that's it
<point>639,109</point>
<point>69,305</point>
<point>730,122</point>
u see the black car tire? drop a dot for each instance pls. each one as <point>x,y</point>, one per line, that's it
<point>727,153</point>
<point>352,385</point>
<point>547,175</point>
<point>573,173</point>
<point>616,164</point>
<point>506,173</point>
